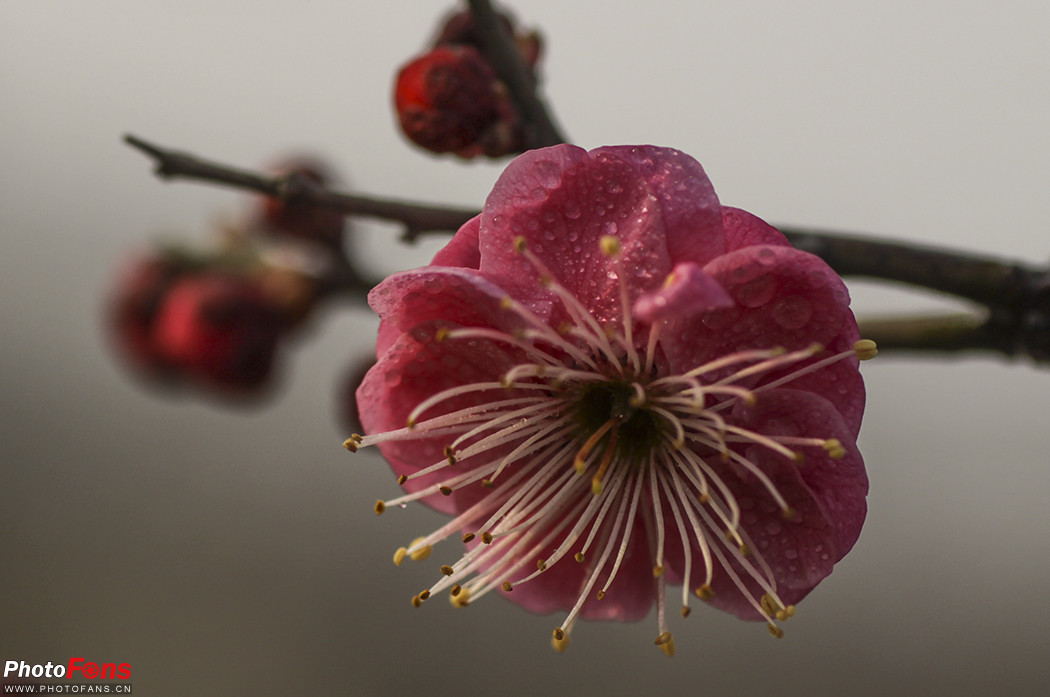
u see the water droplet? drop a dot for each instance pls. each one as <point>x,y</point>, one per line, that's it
<point>766,256</point>
<point>609,228</point>
<point>758,291</point>
<point>773,528</point>
<point>791,554</point>
<point>571,210</point>
<point>613,186</point>
<point>792,312</point>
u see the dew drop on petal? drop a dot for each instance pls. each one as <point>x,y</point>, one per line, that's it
<point>766,256</point>
<point>571,209</point>
<point>756,292</point>
<point>609,228</point>
<point>792,312</point>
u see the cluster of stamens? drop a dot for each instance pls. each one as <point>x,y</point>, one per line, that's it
<point>585,438</point>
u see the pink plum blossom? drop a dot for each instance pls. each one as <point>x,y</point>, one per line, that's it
<point>614,384</point>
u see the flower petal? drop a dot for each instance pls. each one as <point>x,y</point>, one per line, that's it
<point>744,229</point>
<point>462,250</point>
<point>687,292</point>
<point>629,598</point>
<point>415,367</point>
<point>564,200</point>
<point>783,297</point>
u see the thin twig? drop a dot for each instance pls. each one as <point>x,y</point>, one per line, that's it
<point>298,190</point>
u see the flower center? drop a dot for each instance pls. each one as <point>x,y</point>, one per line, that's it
<point>614,406</point>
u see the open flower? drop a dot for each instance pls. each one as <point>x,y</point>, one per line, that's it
<point>613,383</point>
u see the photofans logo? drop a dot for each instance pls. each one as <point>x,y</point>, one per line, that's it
<point>56,677</point>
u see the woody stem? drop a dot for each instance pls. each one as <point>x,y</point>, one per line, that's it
<point>1015,296</point>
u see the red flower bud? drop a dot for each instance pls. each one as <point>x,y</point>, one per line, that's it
<point>446,98</point>
<point>133,309</point>
<point>220,329</point>
<point>449,100</point>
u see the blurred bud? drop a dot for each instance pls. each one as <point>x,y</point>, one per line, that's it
<point>302,221</point>
<point>449,100</point>
<point>221,329</point>
<point>132,312</point>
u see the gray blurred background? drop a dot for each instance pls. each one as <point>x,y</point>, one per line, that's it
<point>235,552</point>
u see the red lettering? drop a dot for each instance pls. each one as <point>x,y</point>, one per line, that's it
<point>90,671</point>
<point>73,667</point>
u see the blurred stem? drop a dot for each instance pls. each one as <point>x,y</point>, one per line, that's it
<point>1016,296</point>
<point>505,58</point>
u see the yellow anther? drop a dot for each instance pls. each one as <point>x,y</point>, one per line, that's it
<point>410,423</point>
<point>441,334</point>
<point>704,592</point>
<point>658,570</point>
<point>421,553</point>
<point>505,303</point>
<point>488,484</point>
<point>402,479</point>
<point>686,610</point>
<point>416,601</point>
<point>788,513</point>
<point>596,486</point>
<point>507,586</point>
<point>546,280</point>
<point>424,595</point>
<point>560,643</point>
<point>460,599</point>
<point>610,245</point>
<point>789,610</point>
<point>834,449</point>
<point>578,557</point>
<point>798,457</point>
<point>666,643</point>
<point>352,442</point>
<point>380,507</point>
<point>745,551</point>
<point>455,590</point>
<point>399,556</point>
<point>775,631</point>
<point>486,537</point>
<point>541,564</point>
<point>600,595</point>
<point>445,491</point>
<point>769,606</point>
<point>815,349</point>
<point>447,570</point>
<point>565,329</point>
<point>866,349</point>
<point>450,455</point>
<point>468,537</point>
<point>520,245</point>
<point>559,634</point>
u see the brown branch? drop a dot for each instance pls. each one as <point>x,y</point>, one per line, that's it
<point>505,58</point>
<point>1017,296</point>
<point>298,190</point>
